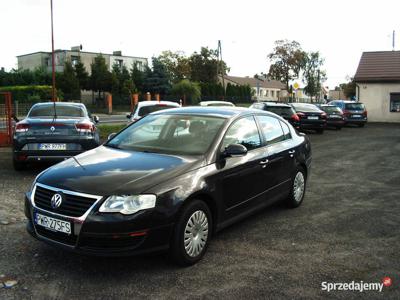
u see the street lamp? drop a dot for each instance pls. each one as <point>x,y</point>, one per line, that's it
<point>53,89</point>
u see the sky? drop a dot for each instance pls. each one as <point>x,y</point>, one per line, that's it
<point>339,30</point>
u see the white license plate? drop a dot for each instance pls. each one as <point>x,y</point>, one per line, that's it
<point>334,116</point>
<point>312,118</point>
<point>53,223</point>
<point>356,116</point>
<point>53,147</point>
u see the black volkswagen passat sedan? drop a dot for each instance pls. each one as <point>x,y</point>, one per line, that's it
<point>311,117</point>
<point>168,181</point>
<point>281,109</point>
<point>54,131</point>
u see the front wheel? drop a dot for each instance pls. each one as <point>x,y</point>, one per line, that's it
<point>298,189</point>
<point>192,234</point>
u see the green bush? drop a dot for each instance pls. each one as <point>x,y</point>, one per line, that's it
<point>29,93</point>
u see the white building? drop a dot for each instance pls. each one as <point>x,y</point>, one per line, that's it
<point>378,85</point>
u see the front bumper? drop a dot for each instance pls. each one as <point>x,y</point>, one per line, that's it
<point>103,234</point>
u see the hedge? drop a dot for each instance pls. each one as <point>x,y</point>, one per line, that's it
<point>28,93</point>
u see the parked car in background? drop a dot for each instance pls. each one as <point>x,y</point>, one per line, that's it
<point>216,103</point>
<point>311,117</point>
<point>206,168</point>
<point>284,110</point>
<point>54,131</point>
<point>334,116</point>
<point>143,108</point>
<point>353,112</point>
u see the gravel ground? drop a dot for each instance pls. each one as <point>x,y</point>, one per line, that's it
<point>346,230</point>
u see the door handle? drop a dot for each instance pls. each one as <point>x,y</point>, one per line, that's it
<point>264,163</point>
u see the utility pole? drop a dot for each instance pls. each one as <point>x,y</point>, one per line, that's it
<point>53,90</point>
<point>218,62</point>
<point>393,40</point>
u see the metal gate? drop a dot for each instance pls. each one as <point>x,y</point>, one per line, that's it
<point>6,120</point>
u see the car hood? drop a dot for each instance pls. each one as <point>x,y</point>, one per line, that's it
<point>106,171</point>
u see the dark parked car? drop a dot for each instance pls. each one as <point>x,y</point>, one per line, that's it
<point>169,181</point>
<point>284,110</point>
<point>353,112</point>
<point>334,117</point>
<point>311,117</point>
<point>54,131</point>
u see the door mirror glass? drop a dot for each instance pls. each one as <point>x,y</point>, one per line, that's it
<point>111,135</point>
<point>233,150</point>
<point>96,119</point>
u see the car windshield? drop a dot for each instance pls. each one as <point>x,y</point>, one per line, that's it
<point>354,106</point>
<point>281,110</point>
<point>145,110</point>
<point>169,134</point>
<point>219,104</point>
<point>45,111</point>
<point>331,109</point>
<point>305,107</point>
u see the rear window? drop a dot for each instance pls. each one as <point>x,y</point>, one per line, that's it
<point>354,106</point>
<point>305,107</point>
<point>145,110</point>
<point>39,111</point>
<point>281,111</point>
<point>331,109</point>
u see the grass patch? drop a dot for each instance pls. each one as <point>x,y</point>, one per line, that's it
<point>107,129</point>
<point>243,104</point>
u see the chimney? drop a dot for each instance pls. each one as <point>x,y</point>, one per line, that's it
<point>117,53</point>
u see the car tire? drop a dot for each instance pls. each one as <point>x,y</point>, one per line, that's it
<point>338,128</point>
<point>320,131</point>
<point>298,188</point>
<point>361,125</point>
<point>18,165</point>
<point>191,234</point>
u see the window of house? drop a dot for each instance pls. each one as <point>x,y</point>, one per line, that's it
<point>272,94</point>
<point>74,60</point>
<point>119,62</point>
<point>267,93</point>
<point>139,65</point>
<point>395,102</point>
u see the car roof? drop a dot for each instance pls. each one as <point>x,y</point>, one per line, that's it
<point>59,103</point>
<point>215,111</point>
<point>155,102</point>
<point>327,105</point>
<point>346,101</point>
<point>274,104</point>
<point>215,102</point>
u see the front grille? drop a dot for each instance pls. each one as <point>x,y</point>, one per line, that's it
<point>72,205</point>
<point>56,236</point>
<point>110,243</point>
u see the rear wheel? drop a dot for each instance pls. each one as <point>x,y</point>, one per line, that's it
<point>18,165</point>
<point>298,188</point>
<point>192,234</point>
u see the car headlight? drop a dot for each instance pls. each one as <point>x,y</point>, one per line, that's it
<point>128,204</point>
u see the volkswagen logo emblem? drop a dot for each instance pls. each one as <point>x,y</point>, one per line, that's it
<point>56,200</point>
<point>52,128</point>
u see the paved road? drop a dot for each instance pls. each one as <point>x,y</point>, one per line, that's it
<point>107,119</point>
<point>347,229</point>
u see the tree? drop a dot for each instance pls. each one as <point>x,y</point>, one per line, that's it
<point>312,74</point>
<point>177,65</point>
<point>138,78</point>
<point>287,60</point>
<point>349,88</point>
<point>158,79</point>
<point>187,90</point>
<point>68,83</point>
<point>82,75</point>
<point>100,79</point>
<point>204,66</point>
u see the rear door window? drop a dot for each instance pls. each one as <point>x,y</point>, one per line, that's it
<point>286,131</point>
<point>243,131</point>
<point>285,112</point>
<point>271,129</point>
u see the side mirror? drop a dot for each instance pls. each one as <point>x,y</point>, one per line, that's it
<point>96,119</point>
<point>111,135</point>
<point>15,118</point>
<point>235,150</point>
<point>128,116</point>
